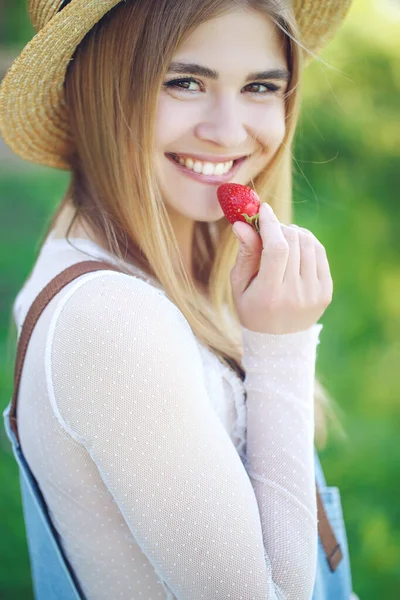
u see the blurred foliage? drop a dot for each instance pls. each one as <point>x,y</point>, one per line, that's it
<point>347,176</point>
<point>18,29</point>
<point>346,191</point>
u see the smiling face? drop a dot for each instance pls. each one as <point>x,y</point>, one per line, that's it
<point>231,108</point>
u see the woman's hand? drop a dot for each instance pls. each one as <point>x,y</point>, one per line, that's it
<point>281,281</point>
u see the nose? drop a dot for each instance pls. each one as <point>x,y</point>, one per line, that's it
<point>224,125</point>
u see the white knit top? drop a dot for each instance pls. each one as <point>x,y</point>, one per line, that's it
<point>165,475</point>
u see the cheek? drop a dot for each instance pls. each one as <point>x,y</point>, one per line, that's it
<point>271,127</point>
<point>279,130</point>
<point>270,130</point>
<point>170,123</point>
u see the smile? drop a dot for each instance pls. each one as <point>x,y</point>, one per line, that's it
<point>206,172</point>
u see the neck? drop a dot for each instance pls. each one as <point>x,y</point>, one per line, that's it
<point>79,229</point>
<point>183,228</point>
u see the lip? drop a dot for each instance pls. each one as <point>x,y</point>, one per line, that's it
<point>211,179</point>
<point>214,158</point>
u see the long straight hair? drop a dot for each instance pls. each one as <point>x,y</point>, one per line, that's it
<point>111,90</point>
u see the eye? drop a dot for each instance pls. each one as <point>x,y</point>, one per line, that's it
<point>180,84</point>
<point>270,87</point>
<point>184,85</point>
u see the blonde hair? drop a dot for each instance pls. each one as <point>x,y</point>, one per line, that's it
<point>111,91</point>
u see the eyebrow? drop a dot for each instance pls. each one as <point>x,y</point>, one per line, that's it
<point>193,69</point>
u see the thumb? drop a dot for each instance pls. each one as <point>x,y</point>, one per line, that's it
<point>248,259</point>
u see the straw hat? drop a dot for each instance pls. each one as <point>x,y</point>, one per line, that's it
<point>33,116</point>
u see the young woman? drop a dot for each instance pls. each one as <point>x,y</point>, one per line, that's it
<point>167,411</point>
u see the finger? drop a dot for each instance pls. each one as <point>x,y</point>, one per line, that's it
<point>308,263</point>
<point>248,258</point>
<point>275,248</point>
<point>323,270</point>
<point>293,264</point>
<point>322,263</point>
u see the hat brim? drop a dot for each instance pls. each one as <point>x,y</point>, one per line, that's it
<point>33,114</point>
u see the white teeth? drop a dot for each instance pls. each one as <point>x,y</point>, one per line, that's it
<point>208,169</point>
<point>205,168</point>
<point>219,169</point>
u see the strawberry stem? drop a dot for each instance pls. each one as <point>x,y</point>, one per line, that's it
<point>253,221</point>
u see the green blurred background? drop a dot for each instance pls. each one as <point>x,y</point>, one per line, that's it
<point>347,192</point>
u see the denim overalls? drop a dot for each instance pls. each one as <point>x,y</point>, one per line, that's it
<point>328,585</point>
<point>54,579</point>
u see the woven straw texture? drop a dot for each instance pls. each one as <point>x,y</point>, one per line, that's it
<point>33,116</point>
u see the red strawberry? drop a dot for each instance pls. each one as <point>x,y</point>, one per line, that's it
<point>239,203</point>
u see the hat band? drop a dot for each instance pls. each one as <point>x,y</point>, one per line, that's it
<point>63,4</point>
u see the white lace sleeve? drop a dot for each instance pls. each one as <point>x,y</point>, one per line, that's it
<point>128,385</point>
<point>279,381</point>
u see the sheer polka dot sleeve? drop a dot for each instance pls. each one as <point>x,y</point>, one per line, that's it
<point>127,384</point>
<point>280,371</point>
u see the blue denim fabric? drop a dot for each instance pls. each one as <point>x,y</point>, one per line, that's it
<point>53,577</point>
<point>328,585</point>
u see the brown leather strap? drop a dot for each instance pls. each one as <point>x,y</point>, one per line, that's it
<point>329,542</point>
<point>331,547</point>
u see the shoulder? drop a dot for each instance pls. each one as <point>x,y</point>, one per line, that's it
<point>107,315</point>
<point>103,299</point>
<point>115,336</point>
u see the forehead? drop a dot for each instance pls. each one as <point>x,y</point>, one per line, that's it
<point>238,41</point>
